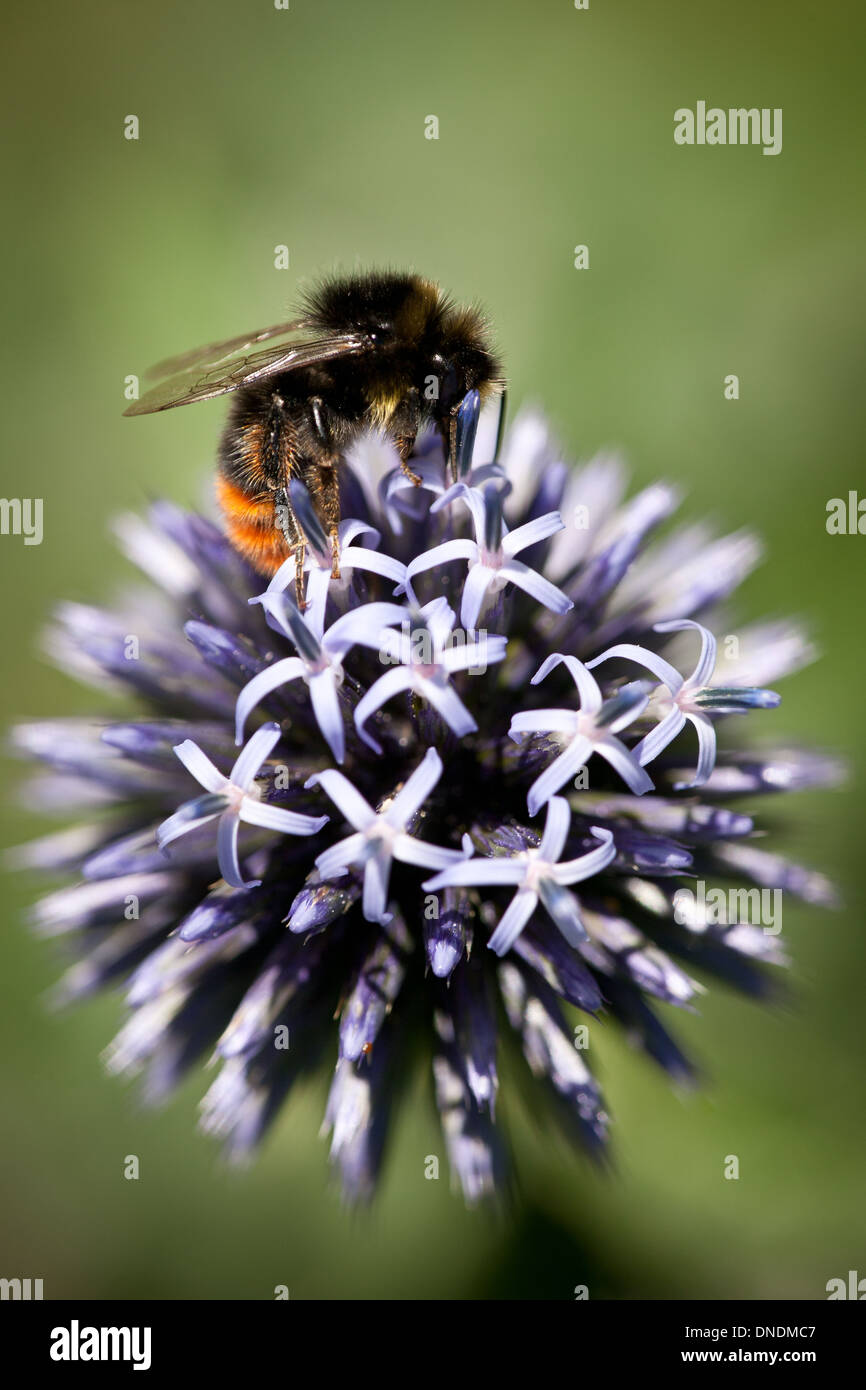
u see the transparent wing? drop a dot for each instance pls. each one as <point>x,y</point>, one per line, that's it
<point>226,366</point>
<point>213,353</point>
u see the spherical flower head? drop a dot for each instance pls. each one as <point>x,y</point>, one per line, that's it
<point>451,795</point>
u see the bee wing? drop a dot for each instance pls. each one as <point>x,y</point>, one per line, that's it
<point>222,367</point>
<point>213,353</point>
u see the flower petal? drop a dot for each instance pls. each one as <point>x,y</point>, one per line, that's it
<point>532,532</point>
<point>365,626</point>
<point>447,703</point>
<point>329,716</point>
<point>441,555</point>
<point>536,586</point>
<point>411,851</point>
<point>477,654</point>
<point>415,790</point>
<point>589,864</point>
<point>479,873</point>
<point>439,617</point>
<point>254,812</point>
<point>587,685</point>
<point>189,817</point>
<point>475,588</point>
<point>289,669</point>
<point>227,851</point>
<point>333,862</point>
<point>513,920</point>
<point>473,498</point>
<point>351,528</point>
<point>556,829</point>
<point>201,767</point>
<point>706,752</point>
<point>259,747</point>
<point>539,721</point>
<point>399,678</point>
<point>658,738</point>
<point>707,659</point>
<point>626,764</point>
<point>560,771</point>
<point>630,651</point>
<point>361,558</point>
<point>284,576</point>
<point>374,900</point>
<point>316,597</point>
<point>352,804</point>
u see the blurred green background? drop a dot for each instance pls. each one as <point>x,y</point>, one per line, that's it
<point>305,127</point>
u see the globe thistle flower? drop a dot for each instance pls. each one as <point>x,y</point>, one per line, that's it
<point>507,841</point>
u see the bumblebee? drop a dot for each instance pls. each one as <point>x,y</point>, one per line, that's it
<point>380,350</point>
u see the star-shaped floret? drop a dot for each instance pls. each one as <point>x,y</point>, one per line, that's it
<point>538,876</point>
<point>319,662</point>
<point>427,667</point>
<point>233,799</point>
<point>688,698</point>
<point>491,555</point>
<point>381,837</point>
<point>591,729</point>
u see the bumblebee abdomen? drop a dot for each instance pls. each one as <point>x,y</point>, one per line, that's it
<point>249,523</point>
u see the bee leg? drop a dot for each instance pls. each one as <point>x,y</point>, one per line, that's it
<point>326,489</point>
<point>410,473</point>
<point>325,482</point>
<point>405,444</point>
<point>284,516</point>
<point>300,560</point>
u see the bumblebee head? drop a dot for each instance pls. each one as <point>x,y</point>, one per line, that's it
<point>462,360</point>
